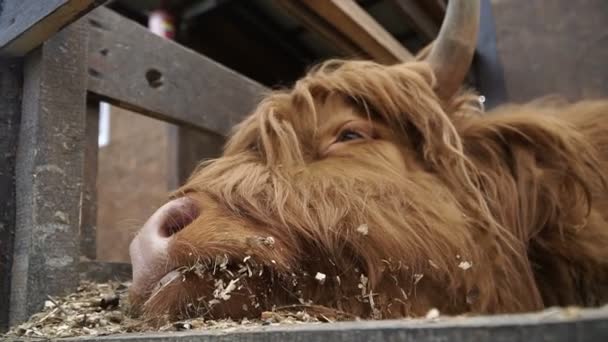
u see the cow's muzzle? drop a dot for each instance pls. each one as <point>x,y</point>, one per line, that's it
<point>149,249</point>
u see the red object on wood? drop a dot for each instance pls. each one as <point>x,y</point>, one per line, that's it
<point>161,22</point>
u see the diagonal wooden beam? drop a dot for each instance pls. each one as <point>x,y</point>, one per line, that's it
<point>132,68</point>
<point>420,19</point>
<point>354,22</point>
<point>434,8</point>
<point>320,27</point>
<point>25,24</point>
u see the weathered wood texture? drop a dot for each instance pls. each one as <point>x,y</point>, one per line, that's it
<point>553,47</point>
<point>355,23</point>
<point>548,326</point>
<point>135,69</point>
<point>316,24</point>
<point>49,169</point>
<point>88,221</point>
<point>187,148</point>
<point>10,110</point>
<point>25,24</point>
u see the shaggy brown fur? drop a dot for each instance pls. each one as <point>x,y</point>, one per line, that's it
<point>403,201</point>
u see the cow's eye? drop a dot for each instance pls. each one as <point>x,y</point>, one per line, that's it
<point>348,135</point>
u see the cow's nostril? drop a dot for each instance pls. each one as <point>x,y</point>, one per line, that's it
<point>180,213</point>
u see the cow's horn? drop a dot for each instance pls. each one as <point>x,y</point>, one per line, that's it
<point>452,51</point>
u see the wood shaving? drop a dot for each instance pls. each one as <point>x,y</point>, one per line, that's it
<point>432,314</point>
<point>363,229</point>
<point>269,241</point>
<point>363,285</point>
<point>433,264</point>
<point>320,277</point>
<point>222,292</point>
<point>465,265</point>
<point>81,314</point>
<point>93,310</point>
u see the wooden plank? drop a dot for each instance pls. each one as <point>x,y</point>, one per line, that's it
<point>187,148</point>
<point>355,23</point>
<point>434,8</point>
<point>135,69</point>
<point>10,113</point>
<point>416,15</point>
<point>555,325</point>
<point>550,47</point>
<point>319,26</point>
<point>25,24</point>
<point>49,171</point>
<point>88,215</point>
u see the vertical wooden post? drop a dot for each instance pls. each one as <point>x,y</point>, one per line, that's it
<point>50,172</point>
<point>10,109</point>
<point>88,222</point>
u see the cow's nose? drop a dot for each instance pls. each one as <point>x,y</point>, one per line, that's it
<point>149,249</point>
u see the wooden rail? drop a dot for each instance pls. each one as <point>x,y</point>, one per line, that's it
<point>166,80</point>
<point>418,17</point>
<point>350,20</point>
<point>552,325</point>
<point>318,25</point>
<point>26,24</point>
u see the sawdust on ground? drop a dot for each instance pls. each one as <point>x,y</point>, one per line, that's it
<point>103,309</point>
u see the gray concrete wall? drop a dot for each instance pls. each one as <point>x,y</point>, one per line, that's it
<point>553,47</point>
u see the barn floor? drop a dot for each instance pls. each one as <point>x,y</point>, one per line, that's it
<point>101,312</point>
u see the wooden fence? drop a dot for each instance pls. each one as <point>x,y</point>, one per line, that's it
<point>51,88</point>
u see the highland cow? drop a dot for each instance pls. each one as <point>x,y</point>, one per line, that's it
<point>384,191</point>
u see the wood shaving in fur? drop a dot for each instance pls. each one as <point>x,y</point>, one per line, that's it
<point>465,265</point>
<point>433,314</point>
<point>320,277</point>
<point>363,229</point>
